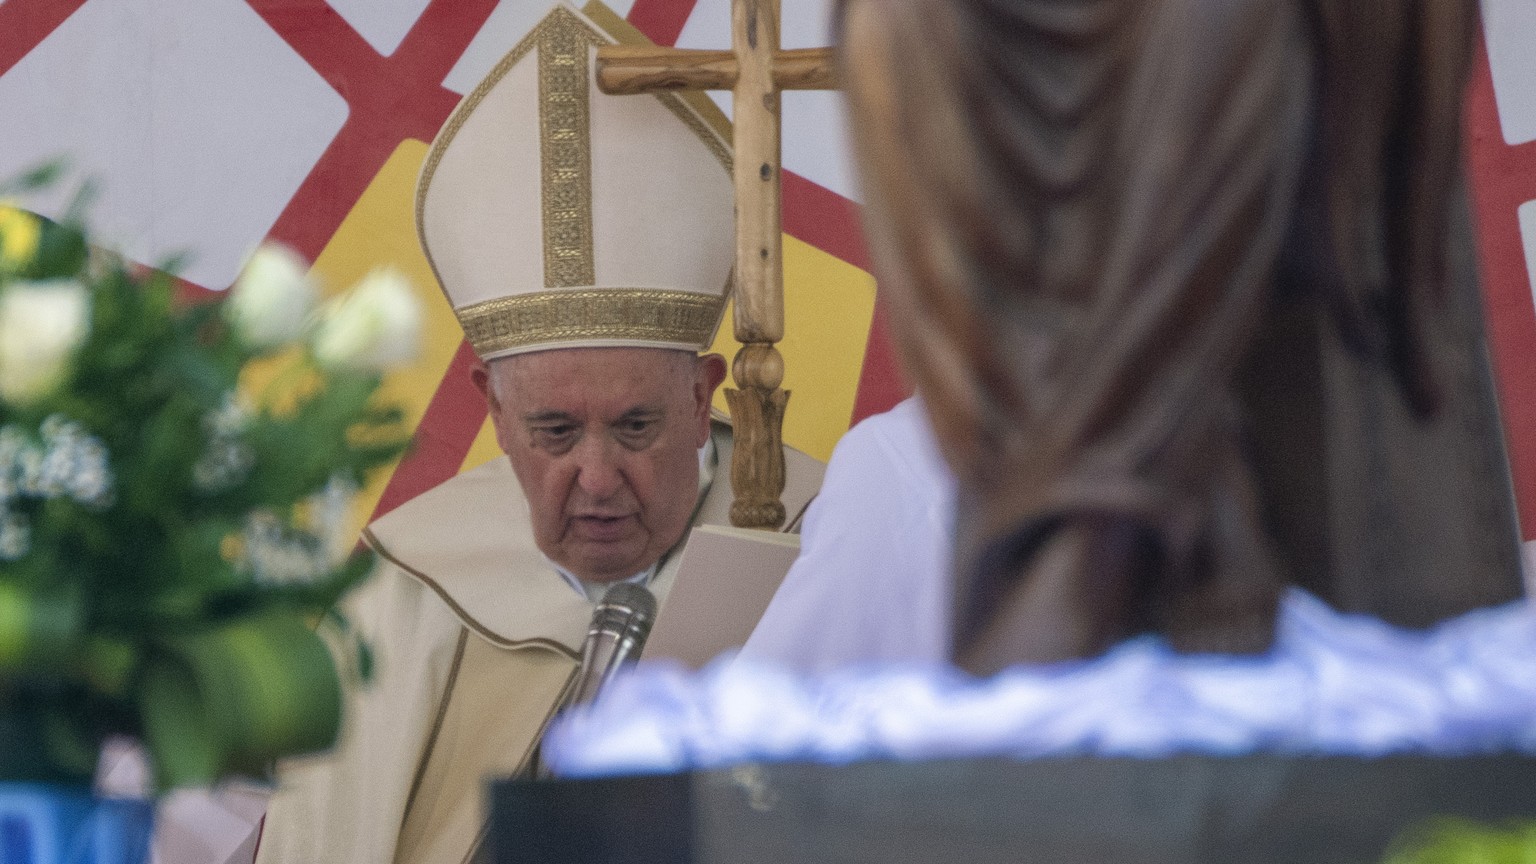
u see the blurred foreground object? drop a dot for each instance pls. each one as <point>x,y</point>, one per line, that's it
<point>169,538</point>
<point>1332,683</point>
<point>1188,810</point>
<point>1188,289</point>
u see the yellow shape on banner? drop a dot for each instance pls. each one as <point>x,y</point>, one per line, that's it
<point>484,449</point>
<point>828,307</point>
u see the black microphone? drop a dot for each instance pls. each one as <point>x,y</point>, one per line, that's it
<point>620,624</point>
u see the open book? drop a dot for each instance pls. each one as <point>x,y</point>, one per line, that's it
<point>725,580</point>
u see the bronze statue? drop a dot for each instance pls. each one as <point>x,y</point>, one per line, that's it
<point>1187,287</point>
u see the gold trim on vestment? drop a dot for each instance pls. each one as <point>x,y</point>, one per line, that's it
<point>463,615</point>
<point>565,149</point>
<point>437,722</point>
<point>583,314</point>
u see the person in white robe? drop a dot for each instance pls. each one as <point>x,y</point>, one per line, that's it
<point>871,582</point>
<point>584,243</point>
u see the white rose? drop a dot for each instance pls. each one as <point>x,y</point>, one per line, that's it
<point>270,303</point>
<point>374,326</point>
<point>41,325</point>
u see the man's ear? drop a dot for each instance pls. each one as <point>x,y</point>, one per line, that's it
<point>480,376</point>
<point>707,378</point>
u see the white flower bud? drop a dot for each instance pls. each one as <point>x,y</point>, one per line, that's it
<point>329,520</point>
<point>372,327</point>
<point>270,303</point>
<point>41,326</point>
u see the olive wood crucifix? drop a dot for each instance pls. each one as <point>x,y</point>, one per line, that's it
<point>754,70</point>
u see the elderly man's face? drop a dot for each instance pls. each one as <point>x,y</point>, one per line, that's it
<point>605,444</point>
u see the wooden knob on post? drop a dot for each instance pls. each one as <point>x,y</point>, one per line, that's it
<point>757,413</point>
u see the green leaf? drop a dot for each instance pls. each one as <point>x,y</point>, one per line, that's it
<point>237,697</point>
<point>70,740</point>
<point>25,753</point>
<point>184,746</point>
<point>110,665</point>
<point>61,252</point>
<point>37,631</point>
<point>34,178</point>
<point>1461,841</point>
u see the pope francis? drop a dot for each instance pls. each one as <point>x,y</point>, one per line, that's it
<point>584,243</point>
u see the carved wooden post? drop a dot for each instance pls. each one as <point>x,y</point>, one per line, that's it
<point>755,70</point>
<point>758,473</point>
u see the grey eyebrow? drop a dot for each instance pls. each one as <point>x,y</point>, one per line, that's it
<point>548,417</point>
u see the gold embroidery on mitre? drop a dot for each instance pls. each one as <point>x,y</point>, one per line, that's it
<point>565,143</point>
<point>696,124</point>
<point>557,29</point>
<point>620,314</point>
<point>690,106</point>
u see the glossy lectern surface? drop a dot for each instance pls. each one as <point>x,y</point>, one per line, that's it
<point>1240,810</point>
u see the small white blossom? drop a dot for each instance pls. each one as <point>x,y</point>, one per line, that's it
<point>328,518</point>
<point>12,443</point>
<point>67,463</point>
<point>15,536</point>
<point>231,419</point>
<point>29,472</point>
<point>75,463</point>
<point>41,325</point>
<point>227,459</point>
<point>274,553</point>
<point>271,302</point>
<point>372,327</point>
<point>223,465</point>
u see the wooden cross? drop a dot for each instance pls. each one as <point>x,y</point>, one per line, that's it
<point>755,70</point>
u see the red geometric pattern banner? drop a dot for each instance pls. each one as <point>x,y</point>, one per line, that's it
<point>396,95</point>
<point>24,24</point>
<point>389,100</point>
<point>1504,177</point>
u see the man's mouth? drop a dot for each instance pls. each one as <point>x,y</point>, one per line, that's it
<point>602,527</point>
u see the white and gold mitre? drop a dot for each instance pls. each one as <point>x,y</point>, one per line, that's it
<point>555,216</point>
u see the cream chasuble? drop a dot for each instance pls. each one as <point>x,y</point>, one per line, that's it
<point>474,635</point>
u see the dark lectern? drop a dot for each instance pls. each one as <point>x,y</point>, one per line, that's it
<point>1248,810</point>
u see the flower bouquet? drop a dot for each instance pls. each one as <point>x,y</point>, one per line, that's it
<point>173,530</point>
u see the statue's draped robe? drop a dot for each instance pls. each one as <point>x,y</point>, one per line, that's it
<point>1190,317</point>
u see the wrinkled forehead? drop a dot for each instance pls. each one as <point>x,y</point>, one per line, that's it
<point>600,381</point>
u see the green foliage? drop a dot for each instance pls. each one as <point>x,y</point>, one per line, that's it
<point>175,606</point>
<point>1458,841</point>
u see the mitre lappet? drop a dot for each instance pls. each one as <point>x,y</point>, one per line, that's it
<point>555,216</point>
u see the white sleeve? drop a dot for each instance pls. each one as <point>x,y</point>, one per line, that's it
<point>871,580</point>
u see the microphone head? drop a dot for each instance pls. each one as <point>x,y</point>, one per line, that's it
<point>620,625</point>
<point>636,598</point>
<point>627,609</point>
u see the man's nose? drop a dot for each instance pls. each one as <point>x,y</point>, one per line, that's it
<point>597,468</point>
